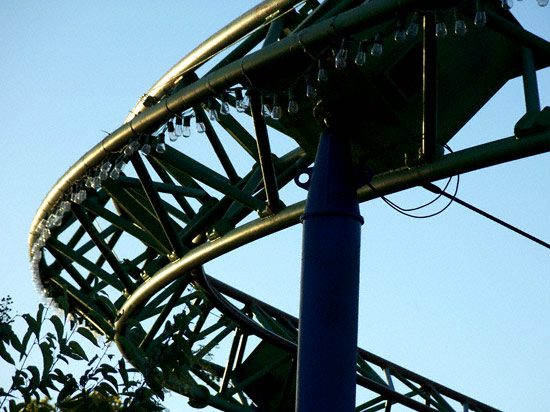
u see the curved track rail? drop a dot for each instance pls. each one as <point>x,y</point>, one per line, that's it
<point>124,233</point>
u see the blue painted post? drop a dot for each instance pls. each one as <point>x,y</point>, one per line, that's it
<point>329,300</point>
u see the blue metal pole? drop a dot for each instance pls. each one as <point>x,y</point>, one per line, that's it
<point>329,300</point>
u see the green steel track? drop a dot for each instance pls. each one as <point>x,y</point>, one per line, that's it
<point>126,247</point>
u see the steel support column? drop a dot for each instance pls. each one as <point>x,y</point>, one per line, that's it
<point>327,340</point>
<point>429,90</point>
<point>530,86</point>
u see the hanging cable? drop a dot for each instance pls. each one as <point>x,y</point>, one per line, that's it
<point>434,189</point>
<point>405,211</point>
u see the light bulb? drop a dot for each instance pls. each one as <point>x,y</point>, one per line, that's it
<point>200,126</point>
<point>178,126</point>
<point>460,24</point>
<point>45,234</point>
<point>377,49</point>
<point>103,174</point>
<point>117,170</point>
<point>322,75</point>
<point>361,56</point>
<point>171,131</point>
<point>186,130</point>
<point>42,223</point>
<point>104,170</point>
<point>292,107</point>
<point>52,221</point>
<point>131,148</point>
<point>224,106</point>
<point>542,3</point>
<point>224,109</point>
<point>88,182</point>
<point>340,61</point>
<point>400,34</point>
<point>277,111</point>
<point>146,149</point>
<point>311,92</point>
<point>412,28</point>
<point>440,28</point>
<point>172,137</point>
<point>161,146</point>
<point>507,4</point>
<point>81,196</point>
<point>241,102</point>
<point>213,112</point>
<point>96,182</point>
<point>480,19</point>
<point>65,206</point>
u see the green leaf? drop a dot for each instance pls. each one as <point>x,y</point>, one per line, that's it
<point>106,389</point>
<point>134,353</point>
<point>35,380</point>
<point>24,343</point>
<point>93,359</point>
<point>4,354</point>
<point>87,333</point>
<point>34,326</point>
<point>111,379</point>
<point>77,349</point>
<point>67,390</point>
<point>46,356</point>
<point>58,324</point>
<point>15,342</point>
<point>40,313</point>
<point>123,372</point>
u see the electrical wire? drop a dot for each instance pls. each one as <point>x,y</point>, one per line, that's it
<point>405,211</point>
<point>440,193</point>
<point>434,189</point>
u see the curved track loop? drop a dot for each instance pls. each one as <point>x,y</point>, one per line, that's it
<point>123,249</point>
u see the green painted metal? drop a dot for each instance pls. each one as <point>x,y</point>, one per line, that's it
<point>168,225</point>
<point>264,153</point>
<point>216,145</point>
<point>240,134</point>
<point>55,246</point>
<point>105,250</point>
<point>198,227</point>
<point>207,176</point>
<point>136,206</point>
<point>171,188</point>
<point>121,223</point>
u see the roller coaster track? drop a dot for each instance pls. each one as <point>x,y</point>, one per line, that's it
<point>124,234</point>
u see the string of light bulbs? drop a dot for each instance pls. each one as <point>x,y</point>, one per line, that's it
<point>272,106</point>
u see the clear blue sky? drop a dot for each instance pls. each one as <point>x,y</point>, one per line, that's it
<point>456,298</point>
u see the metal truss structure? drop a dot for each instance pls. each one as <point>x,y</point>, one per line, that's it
<point>126,247</point>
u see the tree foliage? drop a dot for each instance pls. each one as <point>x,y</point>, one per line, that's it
<point>43,362</point>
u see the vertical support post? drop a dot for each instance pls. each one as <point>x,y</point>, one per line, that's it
<point>264,152</point>
<point>429,89</point>
<point>530,86</point>
<point>329,299</point>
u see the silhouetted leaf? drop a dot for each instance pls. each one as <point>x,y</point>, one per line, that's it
<point>4,353</point>
<point>123,372</point>
<point>24,343</point>
<point>88,335</point>
<point>58,324</point>
<point>77,349</point>
<point>34,326</point>
<point>35,379</point>
<point>47,357</point>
